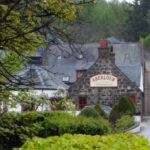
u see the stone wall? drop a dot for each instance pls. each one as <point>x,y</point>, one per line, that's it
<point>108,95</point>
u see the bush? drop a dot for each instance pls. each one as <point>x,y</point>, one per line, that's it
<point>114,114</point>
<point>126,106</point>
<point>16,128</point>
<point>63,104</point>
<point>88,142</point>
<point>124,123</point>
<point>89,112</point>
<point>100,111</point>
<point>81,124</point>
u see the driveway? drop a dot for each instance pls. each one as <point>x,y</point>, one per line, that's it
<point>145,128</point>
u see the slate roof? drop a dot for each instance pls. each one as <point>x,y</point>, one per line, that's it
<point>127,58</point>
<point>40,78</point>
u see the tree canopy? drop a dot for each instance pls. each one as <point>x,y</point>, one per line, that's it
<point>24,26</point>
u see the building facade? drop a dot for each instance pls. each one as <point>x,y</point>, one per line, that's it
<point>103,82</point>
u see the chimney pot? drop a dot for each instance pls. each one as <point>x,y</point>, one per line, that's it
<point>103,43</point>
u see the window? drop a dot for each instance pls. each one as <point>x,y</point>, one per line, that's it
<point>66,79</point>
<point>82,102</point>
<point>133,100</point>
<point>80,56</point>
<point>79,73</point>
<point>59,57</point>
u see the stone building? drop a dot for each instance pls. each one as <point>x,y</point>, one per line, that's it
<point>60,66</point>
<point>103,82</point>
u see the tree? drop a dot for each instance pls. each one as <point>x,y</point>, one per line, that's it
<point>102,20</point>
<point>24,25</point>
<point>137,22</point>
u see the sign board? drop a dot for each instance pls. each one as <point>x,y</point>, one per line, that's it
<point>103,80</point>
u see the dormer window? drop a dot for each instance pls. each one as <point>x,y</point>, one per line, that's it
<point>66,79</point>
<point>59,57</point>
<point>80,56</point>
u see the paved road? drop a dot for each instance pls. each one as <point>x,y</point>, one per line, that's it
<point>145,128</point>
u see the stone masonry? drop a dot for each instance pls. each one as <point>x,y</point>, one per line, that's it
<point>105,64</point>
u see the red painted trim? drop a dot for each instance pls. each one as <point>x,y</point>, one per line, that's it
<point>78,102</point>
<point>133,100</point>
<point>84,102</point>
<point>77,74</point>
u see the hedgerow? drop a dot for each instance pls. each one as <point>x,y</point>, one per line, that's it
<point>16,128</point>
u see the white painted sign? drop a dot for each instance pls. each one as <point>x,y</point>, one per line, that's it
<point>103,80</point>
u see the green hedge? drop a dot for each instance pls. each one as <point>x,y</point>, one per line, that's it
<point>88,142</point>
<point>15,128</point>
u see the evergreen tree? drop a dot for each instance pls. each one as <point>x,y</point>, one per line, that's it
<point>137,22</point>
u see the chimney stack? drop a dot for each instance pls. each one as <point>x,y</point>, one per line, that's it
<point>103,43</point>
<point>106,51</point>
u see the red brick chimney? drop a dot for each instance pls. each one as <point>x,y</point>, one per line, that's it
<point>103,43</point>
<point>106,51</point>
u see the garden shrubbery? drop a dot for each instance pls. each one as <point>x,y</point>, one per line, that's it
<point>89,112</point>
<point>88,142</point>
<point>124,107</point>
<point>100,110</point>
<point>124,123</point>
<point>15,128</point>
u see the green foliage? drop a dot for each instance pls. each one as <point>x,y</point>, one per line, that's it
<point>103,19</point>
<point>114,114</point>
<point>16,128</point>
<point>60,125</point>
<point>89,112</point>
<point>31,101</point>
<point>135,28</point>
<point>124,123</point>
<point>63,104</point>
<point>23,28</point>
<point>99,110</point>
<point>88,142</point>
<point>126,106</point>
<point>146,42</point>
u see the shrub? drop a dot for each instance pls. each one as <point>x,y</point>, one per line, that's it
<point>124,123</point>
<point>114,114</point>
<point>88,142</point>
<point>16,128</point>
<point>89,112</point>
<point>63,104</point>
<point>125,106</point>
<point>81,124</point>
<point>100,111</point>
